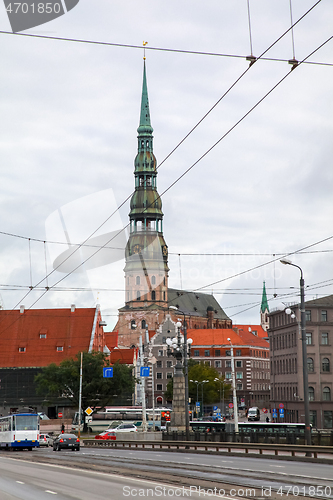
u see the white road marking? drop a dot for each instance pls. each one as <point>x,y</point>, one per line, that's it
<point>20,482</point>
<point>52,492</point>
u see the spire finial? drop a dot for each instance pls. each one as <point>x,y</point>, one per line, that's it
<point>144,49</point>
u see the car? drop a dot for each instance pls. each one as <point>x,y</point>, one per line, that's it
<point>43,416</point>
<point>66,441</point>
<point>45,440</point>
<point>125,428</point>
<point>107,435</point>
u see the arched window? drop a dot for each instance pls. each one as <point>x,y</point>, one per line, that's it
<point>325,365</point>
<point>153,295</point>
<point>137,280</point>
<point>133,325</point>
<point>311,394</point>
<point>310,365</point>
<point>143,323</point>
<point>153,280</point>
<point>138,295</point>
<point>326,394</point>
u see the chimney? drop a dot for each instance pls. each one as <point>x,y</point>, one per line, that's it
<point>73,308</point>
<point>22,309</point>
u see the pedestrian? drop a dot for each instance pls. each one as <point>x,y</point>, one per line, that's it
<point>267,419</point>
<point>62,428</point>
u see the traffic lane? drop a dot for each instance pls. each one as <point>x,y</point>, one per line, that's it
<point>308,470</point>
<point>33,481</point>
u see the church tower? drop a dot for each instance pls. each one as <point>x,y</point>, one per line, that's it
<point>146,255</point>
<point>264,310</point>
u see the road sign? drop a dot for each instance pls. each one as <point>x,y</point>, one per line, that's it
<point>144,371</point>
<point>108,372</point>
<point>281,415</point>
<point>281,405</point>
<point>214,408</point>
<point>274,415</point>
<point>197,403</point>
<point>265,410</point>
<point>59,414</point>
<point>281,410</point>
<point>88,411</point>
<point>231,405</point>
<point>242,400</point>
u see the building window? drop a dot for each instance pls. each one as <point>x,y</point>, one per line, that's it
<point>159,387</point>
<point>228,375</point>
<point>328,419</point>
<point>137,295</point>
<point>239,374</point>
<point>133,325</point>
<point>217,364</point>
<point>42,335</point>
<point>21,349</point>
<point>313,418</point>
<point>60,348</point>
<point>307,315</point>
<point>310,365</point>
<point>137,280</point>
<point>159,364</point>
<point>323,315</point>
<point>163,340</point>
<point>324,338</point>
<point>311,394</point>
<point>207,363</point>
<point>326,394</point>
<point>153,295</point>
<point>325,364</point>
<point>238,352</point>
<point>169,375</point>
<point>169,364</point>
<point>143,323</point>
<point>153,280</point>
<point>239,364</point>
<point>308,338</point>
<point>228,363</point>
<point>239,387</point>
<point>196,352</point>
<point>217,352</point>
<point>228,353</point>
<point>158,375</point>
<point>207,352</point>
<point>160,352</point>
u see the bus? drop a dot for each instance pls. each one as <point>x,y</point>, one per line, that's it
<point>19,430</point>
<point>112,416</point>
<point>265,432</point>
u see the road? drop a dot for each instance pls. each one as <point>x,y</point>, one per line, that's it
<point>111,473</point>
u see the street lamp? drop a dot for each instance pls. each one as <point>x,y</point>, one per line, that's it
<point>221,382</point>
<point>186,348</point>
<point>304,355</point>
<point>234,385</point>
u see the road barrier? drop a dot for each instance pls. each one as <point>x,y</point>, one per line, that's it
<point>222,448</point>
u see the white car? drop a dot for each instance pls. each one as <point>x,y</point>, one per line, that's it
<point>45,440</point>
<point>125,428</point>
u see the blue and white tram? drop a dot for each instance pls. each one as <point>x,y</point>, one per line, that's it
<point>19,430</point>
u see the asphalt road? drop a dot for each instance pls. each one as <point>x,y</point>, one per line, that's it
<point>91,473</point>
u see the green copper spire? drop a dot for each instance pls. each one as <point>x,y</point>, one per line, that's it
<point>264,303</point>
<point>145,126</point>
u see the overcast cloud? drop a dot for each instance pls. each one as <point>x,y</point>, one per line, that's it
<point>68,130</point>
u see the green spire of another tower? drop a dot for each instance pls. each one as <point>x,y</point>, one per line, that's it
<point>264,303</point>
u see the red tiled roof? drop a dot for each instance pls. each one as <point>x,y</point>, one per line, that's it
<point>111,339</point>
<point>252,334</point>
<point>124,356</point>
<point>218,337</point>
<point>38,337</point>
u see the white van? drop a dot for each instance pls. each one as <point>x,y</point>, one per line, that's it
<point>253,414</point>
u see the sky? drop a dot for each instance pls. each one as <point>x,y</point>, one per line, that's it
<point>68,139</point>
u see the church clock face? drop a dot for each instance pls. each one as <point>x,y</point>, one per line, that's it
<point>165,250</point>
<point>137,248</point>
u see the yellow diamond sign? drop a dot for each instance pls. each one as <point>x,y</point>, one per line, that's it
<point>88,411</point>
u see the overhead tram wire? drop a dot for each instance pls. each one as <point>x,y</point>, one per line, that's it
<point>195,163</point>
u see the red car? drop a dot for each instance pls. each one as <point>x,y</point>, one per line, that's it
<point>107,435</point>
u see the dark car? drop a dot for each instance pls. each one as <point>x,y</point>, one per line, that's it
<point>66,441</point>
<point>107,435</point>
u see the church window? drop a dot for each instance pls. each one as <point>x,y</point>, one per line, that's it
<point>137,280</point>
<point>133,325</point>
<point>153,280</point>
<point>153,295</point>
<point>143,323</point>
<point>138,295</point>
<point>163,295</point>
<point>164,281</point>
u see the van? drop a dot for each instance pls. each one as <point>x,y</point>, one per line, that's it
<point>253,414</point>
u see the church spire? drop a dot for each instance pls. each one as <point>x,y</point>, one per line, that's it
<point>264,310</point>
<point>144,125</point>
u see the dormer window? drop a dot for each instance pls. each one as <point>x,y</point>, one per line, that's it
<point>60,348</point>
<point>42,335</point>
<point>22,349</point>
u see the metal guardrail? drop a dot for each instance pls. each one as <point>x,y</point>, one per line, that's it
<point>203,446</point>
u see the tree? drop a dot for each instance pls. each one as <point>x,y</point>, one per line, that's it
<point>210,390</point>
<point>62,381</point>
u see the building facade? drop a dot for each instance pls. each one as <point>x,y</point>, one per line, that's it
<point>287,361</point>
